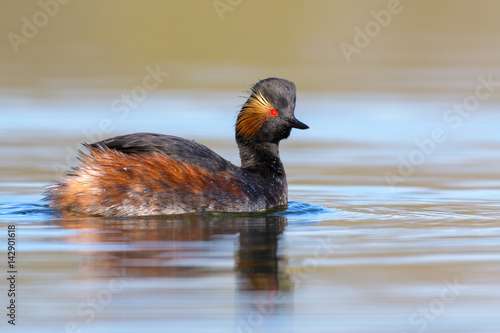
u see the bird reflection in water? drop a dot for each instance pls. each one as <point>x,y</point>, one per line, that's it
<point>164,246</point>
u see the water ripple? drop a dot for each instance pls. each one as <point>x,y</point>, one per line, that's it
<point>25,211</point>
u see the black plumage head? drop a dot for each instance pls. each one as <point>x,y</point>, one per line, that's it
<point>268,114</point>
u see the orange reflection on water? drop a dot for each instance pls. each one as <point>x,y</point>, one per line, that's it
<point>176,246</point>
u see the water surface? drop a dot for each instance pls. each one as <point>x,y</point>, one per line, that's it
<point>381,235</point>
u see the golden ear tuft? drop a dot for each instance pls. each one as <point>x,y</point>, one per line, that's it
<point>253,115</point>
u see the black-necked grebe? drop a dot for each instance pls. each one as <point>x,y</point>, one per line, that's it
<point>146,174</point>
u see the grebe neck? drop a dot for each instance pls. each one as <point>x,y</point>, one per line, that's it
<point>260,156</point>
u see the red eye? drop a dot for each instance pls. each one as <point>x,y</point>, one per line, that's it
<point>273,112</point>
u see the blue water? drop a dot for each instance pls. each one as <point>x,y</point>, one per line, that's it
<point>351,252</point>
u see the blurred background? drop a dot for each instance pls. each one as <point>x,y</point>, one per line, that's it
<point>421,47</point>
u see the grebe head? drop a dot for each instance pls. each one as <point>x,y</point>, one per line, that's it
<point>268,114</point>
